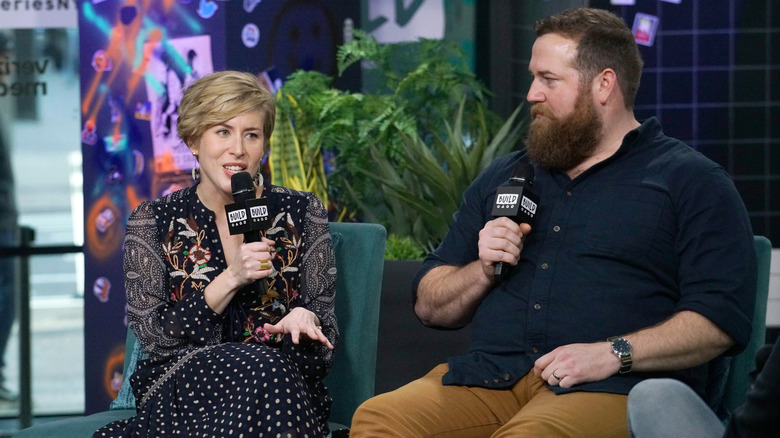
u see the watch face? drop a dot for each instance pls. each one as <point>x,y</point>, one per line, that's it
<point>621,347</point>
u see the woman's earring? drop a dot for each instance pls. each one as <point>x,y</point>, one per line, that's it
<point>195,173</point>
<point>258,178</point>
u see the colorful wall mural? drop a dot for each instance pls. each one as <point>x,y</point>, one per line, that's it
<point>136,57</point>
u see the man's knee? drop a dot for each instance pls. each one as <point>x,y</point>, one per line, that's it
<point>377,416</point>
<point>649,395</point>
<point>370,408</point>
<point>667,407</point>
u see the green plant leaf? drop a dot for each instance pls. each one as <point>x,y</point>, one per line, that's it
<point>406,147</point>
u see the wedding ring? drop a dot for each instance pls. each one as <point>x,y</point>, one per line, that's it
<point>264,264</point>
<point>556,376</point>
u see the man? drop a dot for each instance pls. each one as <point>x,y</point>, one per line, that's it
<point>638,239</point>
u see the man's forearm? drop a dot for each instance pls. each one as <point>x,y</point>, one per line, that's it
<point>447,296</point>
<point>685,340</point>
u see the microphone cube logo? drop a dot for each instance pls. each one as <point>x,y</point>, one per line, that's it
<point>528,205</point>
<point>259,217</point>
<point>507,200</point>
<point>238,220</point>
<point>259,212</point>
<point>516,202</point>
<point>236,217</point>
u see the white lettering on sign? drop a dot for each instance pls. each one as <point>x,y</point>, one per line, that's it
<point>31,14</point>
<point>258,211</point>
<point>528,205</point>
<point>507,200</point>
<point>237,216</point>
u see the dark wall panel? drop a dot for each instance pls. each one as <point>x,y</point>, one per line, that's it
<point>712,76</point>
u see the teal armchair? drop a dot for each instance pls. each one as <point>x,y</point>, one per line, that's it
<point>738,381</point>
<point>359,252</point>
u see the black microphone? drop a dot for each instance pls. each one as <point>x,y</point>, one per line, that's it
<point>517,201</point>
<point>247,214</point>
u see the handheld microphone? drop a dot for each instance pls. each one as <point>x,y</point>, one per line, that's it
<point>517,201</point>
<point>247,214</point>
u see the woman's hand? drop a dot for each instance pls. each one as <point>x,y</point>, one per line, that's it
<point>299,322</point>
<point>252,261</point>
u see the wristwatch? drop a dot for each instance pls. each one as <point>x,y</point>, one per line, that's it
<point>622,349</point>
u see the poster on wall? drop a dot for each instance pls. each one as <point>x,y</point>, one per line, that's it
<point>172,67</point>
<point>136,59</point>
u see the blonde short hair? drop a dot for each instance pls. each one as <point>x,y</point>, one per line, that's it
<point>219,97</point>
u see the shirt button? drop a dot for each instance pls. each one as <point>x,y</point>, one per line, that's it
<point>485,382</point>
<point>495,381</point>
<point>534,350</point>
<point>556,228</point>
<point>537,306</point>
<point>545,266</point>
<point>568,193</point>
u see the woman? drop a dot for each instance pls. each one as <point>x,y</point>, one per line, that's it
<point>225,359</point>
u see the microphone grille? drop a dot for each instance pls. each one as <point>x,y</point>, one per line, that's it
<point>523,172</point>
<point>528,171</point>
<point>242,186</point>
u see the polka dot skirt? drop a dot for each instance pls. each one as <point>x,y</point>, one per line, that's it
<point>230,390</point>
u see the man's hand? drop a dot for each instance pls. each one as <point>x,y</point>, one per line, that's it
<point>501,240</point>
<point>447,296</point>
<point>572,364</point>
<point>685,340</point>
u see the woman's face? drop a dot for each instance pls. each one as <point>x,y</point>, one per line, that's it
<point>227,148</point>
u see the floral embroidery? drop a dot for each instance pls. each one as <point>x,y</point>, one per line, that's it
<point>288,244</point>
<point>283,283</point>
<point>198,255</point>
<point>262,335</point>
<point>257,334</point>
<point>192,250</point>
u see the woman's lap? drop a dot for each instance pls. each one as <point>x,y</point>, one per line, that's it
<point>232,386</point>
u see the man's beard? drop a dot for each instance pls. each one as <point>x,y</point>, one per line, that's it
<point>562,144</point>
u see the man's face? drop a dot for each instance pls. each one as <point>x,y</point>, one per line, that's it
<point>555,79</point>
<point>565,127</point>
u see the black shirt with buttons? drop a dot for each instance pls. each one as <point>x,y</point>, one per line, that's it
<point>655,229</point>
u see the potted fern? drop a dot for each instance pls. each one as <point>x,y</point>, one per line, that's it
<point>403,153</point>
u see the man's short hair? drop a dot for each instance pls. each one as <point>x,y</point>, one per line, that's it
<point>603,41</point>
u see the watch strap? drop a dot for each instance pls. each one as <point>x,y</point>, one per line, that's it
<point>626,359</point>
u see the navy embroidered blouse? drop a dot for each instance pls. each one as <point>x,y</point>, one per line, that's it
<point>173,251</point>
